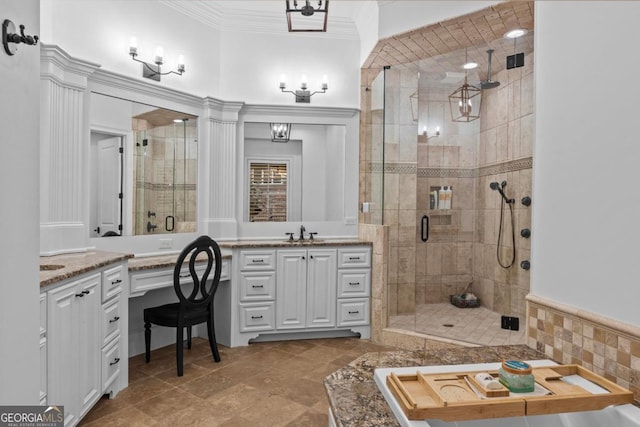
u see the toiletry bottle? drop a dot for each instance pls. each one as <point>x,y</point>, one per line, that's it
<point>433,199</point>
<point>447,194</point>
<point>441,198</point>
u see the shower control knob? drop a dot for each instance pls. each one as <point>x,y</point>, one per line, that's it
<point>525,265</point>
<point>525,232</point>
<point>526,200</point>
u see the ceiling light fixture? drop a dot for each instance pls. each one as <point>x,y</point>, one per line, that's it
<point>470,65</point>
<point>514,34</point>
<point>153,71</point>
<point>303,95</point>
<point>280,132</point>
<point>306,18</point>
<point>465,101</point>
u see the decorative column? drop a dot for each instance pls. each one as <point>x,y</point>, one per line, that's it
<point>221,170</point>
<point>63,151</point>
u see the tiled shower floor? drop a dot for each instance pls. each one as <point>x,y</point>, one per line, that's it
<point>472,325</point>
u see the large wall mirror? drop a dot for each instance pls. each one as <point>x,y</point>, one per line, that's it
<point>302,179</point>
<point>143,169</point>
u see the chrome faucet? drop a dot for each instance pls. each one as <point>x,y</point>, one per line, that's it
<point>302,230</point>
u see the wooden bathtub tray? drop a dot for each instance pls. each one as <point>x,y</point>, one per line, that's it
<point>457,396</point>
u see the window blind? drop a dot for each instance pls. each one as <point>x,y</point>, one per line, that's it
<point>267,191</point>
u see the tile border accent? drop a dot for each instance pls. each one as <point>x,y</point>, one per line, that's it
<point>412,168</point>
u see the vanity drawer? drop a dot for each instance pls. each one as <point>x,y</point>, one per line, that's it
<point>112,282</point>
<point>257,260</point>
<point>111,320</point>
<point>111,361</point>
<point>353,311</point>
<point>257,317</point>
<point>354,257</point>
<point>257,285</point>
<point>354,283</point>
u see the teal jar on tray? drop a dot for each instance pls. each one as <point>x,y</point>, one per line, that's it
<point>516,376</point>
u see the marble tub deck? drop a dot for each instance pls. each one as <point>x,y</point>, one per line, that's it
<point>356,401</point>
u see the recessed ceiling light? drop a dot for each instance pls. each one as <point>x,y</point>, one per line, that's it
<point>513,34</point>
<point>470,65</point>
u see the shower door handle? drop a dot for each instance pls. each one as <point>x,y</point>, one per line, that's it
<point>424,228</point>
<point>166,223</point>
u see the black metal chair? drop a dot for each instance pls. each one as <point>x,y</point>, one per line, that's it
<point>192,309</point>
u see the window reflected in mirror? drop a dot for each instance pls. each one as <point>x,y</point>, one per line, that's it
<point>268,191</point>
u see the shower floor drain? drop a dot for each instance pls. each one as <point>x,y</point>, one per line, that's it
<point>448,325</point>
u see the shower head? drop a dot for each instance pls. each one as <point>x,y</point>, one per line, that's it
<point>488,83</point>
<point>500,189</point>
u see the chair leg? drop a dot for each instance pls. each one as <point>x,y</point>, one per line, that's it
<point>147,341</point>
<point>189,337</point>
<point>212,338</point>
<point>179,349</point>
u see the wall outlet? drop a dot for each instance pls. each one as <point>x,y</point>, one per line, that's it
<point>511,323</point>
<point>166,243</point>
<point>350,220</point>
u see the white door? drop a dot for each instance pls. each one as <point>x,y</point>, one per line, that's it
<point>321,288</point>
<point>108,185</point>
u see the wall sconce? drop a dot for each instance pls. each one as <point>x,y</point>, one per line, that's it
<point>302,19</point>
<point>303,95</point>
<point>280,132</point>
<point>436,134</point>
<point>151,71</point>
<point>10,39</point>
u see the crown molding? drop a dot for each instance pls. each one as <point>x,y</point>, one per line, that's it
<point>248,21</point>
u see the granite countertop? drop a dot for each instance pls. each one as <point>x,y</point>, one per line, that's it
<point>240,244</point>
<point>356,401</point>
<point>61,267</point>
<point>160,261</point>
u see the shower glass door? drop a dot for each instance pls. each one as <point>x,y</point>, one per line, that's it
<point>165,177</point>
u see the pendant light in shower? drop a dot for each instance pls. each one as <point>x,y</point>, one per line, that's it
<point>465,101</point>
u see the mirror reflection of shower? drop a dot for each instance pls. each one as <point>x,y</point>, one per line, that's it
<point>509,202</point>
<point>165,161</point>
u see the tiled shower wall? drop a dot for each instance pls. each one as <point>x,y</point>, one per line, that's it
<point>165,177</point>
<point>462,242</point>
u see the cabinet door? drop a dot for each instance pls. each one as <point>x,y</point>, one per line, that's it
<point>321,288</point>
<point>62,327</point>
<point>291,289</point>
<point>89,341</point>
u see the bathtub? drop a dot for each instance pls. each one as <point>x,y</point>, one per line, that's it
<point>613,416</point>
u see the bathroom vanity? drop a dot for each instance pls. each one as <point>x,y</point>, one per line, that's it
<point>83,345</point>
<point>289,290</point>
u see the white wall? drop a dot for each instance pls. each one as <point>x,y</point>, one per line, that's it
<point>586,204</point>
<point>253,63</point>
<point>19,222</point>
<point>100,31</point>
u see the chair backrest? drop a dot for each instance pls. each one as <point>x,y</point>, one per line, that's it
<point>204,288</point>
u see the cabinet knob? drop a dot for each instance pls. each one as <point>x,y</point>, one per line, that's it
<point>115,361</point>
<point>257,286</point>
<point>354,283</point>
<point>115,319</point>
<point>354,312</point>
<point>115,282</point>
<point>81,295</point>
<point>256,317</point>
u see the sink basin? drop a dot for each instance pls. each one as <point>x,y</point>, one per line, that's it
<point>49,267</point>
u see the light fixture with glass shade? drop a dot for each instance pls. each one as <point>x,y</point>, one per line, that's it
<point>280,132</point>
<point>465,101</point>
<point>153,71</point>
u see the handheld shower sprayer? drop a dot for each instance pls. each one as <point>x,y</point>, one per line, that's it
<point>500,189</point>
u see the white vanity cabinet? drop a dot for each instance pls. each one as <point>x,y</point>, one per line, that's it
<point>309,290</point>
<point>306,288</point>
<point>82,342</point>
